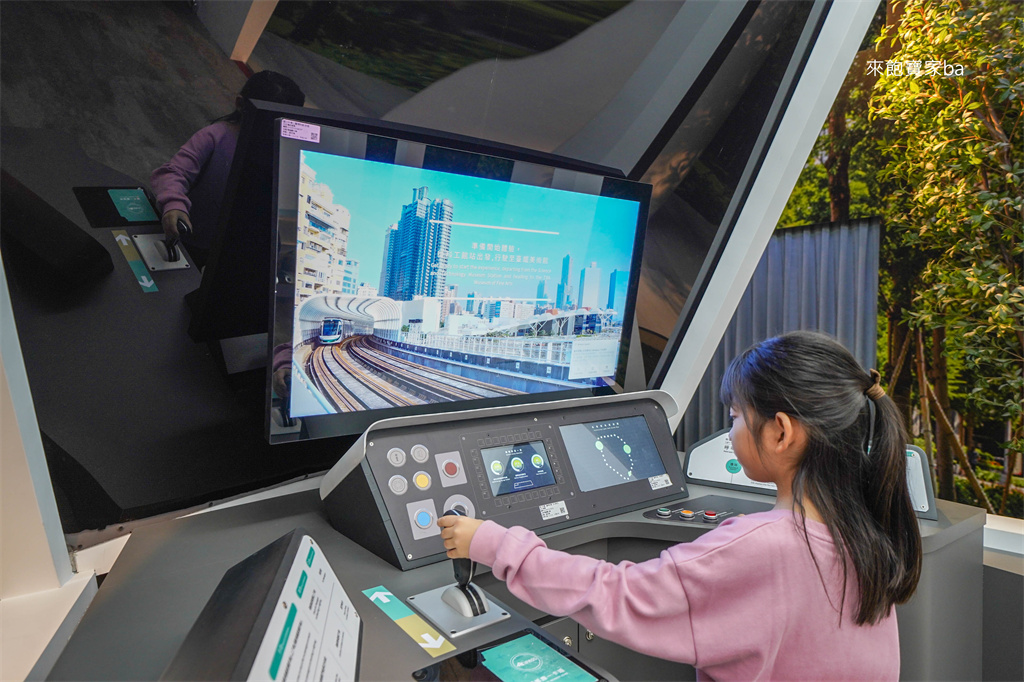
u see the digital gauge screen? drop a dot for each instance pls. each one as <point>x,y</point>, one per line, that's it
<point>613,452</point>
<point>515,468</point>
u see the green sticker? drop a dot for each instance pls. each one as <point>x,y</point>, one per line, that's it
<point>302,584</point>
<point>133,205</point>
<point>142,276</point>
<point>282,642</point>
<point>733,466</point>
<point>387,602</point>
<point>309,557</point>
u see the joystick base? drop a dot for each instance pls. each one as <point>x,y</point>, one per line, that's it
<point>447,620</point>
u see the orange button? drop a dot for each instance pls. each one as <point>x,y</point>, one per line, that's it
<point>422,480</point>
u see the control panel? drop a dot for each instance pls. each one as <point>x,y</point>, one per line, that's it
<point>539,469</point>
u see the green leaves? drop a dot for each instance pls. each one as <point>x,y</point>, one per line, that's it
<point>959,171</point>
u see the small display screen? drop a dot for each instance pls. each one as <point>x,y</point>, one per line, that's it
<point>515,468</point>
<point>613,452</point>
<point>522,657</point>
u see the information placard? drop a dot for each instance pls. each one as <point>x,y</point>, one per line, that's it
<point>314,631</point>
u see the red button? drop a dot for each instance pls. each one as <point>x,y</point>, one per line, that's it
<point>451,469</point>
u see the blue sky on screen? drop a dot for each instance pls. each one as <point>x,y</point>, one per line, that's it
<point>548,223</point>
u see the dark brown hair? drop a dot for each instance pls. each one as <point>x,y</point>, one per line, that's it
<point>269,86</point>
<point>854,470</point>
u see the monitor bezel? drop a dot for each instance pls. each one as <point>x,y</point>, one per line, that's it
<point>613,184</point>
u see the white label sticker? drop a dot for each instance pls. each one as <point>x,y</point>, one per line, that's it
<point>658,482</point>
<point>593,357</point>
<point>297,130</point>
<point>553,509</point>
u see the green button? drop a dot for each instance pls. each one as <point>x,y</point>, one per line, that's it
<point>733,466</point>
<point>302,584</point>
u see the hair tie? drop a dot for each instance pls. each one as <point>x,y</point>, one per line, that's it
<point>872,393</point>
<point>875,390</point>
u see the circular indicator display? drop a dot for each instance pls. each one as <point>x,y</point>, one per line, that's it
<point>733,466</point>
<point>497,468</point>
<point>517,463</point>
<point>538,461</point>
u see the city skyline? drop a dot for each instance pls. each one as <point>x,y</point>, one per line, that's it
<point>501,236</point>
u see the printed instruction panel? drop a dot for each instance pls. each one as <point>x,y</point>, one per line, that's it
<point>314,630</point>
<point>715,460</point>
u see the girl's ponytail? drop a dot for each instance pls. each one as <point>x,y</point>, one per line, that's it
<point>889,503</point>
<point>854,469</point>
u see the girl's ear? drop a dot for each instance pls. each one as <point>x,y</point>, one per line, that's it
<point>790,436</point>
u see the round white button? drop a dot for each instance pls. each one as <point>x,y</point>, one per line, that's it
<point>398,485</point>
<point>396,456</point>
<point>420,453</point>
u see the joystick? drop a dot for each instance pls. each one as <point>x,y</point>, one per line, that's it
<point>171,243</point>
<point>171,249</point>
<point>464,596</point>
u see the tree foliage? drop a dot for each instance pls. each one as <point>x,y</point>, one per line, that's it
<point>958,167</point>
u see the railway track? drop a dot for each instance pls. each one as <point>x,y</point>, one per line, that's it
<point>353,375</point>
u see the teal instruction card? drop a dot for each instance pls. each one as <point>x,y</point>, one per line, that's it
<point>528,659</point>
<point>133,205</point>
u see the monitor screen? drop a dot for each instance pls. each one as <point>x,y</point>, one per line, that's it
<point>413,277</point>
<point>609,453</point>
<point>515,468</point>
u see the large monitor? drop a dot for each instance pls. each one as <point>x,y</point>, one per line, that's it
<point>421,276</point>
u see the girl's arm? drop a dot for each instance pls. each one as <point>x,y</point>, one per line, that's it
<point>641,606</point>
<point>172,181</point>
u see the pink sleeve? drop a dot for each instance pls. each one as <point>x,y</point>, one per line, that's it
<point>172,181</point>
<point>641,606</point>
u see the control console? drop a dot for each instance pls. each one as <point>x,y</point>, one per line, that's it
<point>543,466</point>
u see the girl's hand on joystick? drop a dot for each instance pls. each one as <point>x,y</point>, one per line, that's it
<point>457,533</point>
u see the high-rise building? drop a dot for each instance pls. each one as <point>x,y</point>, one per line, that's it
<point>385,268</point>
<point>590,287</point>
<point>470,301</point>
<point>564,292</point>
<point>618,285</point>
<point>418,248</point>
<point>449,303</point>
<point>321,237</point>
<point>346,276</point>
<point>542,294</point>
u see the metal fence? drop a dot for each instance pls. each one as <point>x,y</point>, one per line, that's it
<point>819,277</point>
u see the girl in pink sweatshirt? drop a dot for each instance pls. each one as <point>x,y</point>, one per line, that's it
<point>803,592</point>
<point>190,187</point>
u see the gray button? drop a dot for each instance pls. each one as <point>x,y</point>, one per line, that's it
<point>420,453</point>
<point>398,484</point>
<point>396,456</point>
